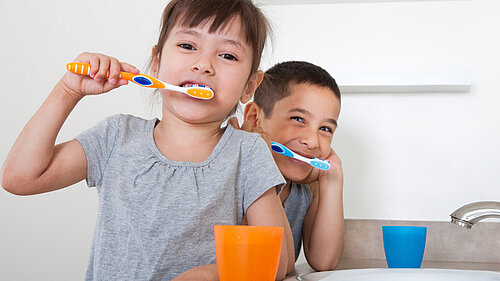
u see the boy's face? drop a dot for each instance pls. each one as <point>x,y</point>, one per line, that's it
<point>304,122</point>
<point>221,60</point>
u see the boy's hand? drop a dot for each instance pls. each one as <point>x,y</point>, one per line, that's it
<point>247,127</point>
<point>334,173</point>
<point>79,86</point>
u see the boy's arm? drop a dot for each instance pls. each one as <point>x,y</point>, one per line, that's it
<point>323,229</point>
<point>34,164</point>
<point>267,211</point>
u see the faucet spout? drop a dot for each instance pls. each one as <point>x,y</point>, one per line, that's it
<point>470,214</point>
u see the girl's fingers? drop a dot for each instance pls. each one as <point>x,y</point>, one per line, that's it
<point>104,63</point>
<point>114,71</point>
<point>129,68</point>
<point>105,71</point>
<point>94,65</point>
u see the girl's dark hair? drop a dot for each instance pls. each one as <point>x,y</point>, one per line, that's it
<point>191,13</point>
<point>278,79</point>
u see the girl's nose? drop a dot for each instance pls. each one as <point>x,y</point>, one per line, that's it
<point>203,66</point>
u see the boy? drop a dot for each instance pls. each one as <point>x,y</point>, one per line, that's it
<point>298,105</point>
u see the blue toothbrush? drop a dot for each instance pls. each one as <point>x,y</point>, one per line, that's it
<point>315,162</point>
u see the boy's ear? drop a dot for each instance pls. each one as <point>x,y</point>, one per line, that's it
<point>252,85</point>
<point>252,114</point>
<point>155,62</point>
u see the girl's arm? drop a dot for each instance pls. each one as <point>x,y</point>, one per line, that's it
<point>34,164</point>
<point>287,235</point>
<point>288,240</point>
<point>323,229</point>
<point>206,272</point>
<point>267,211</point>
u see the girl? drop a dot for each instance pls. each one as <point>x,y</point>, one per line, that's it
<point>163,184</point>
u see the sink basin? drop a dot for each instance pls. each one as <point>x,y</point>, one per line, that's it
<point>407,274</point>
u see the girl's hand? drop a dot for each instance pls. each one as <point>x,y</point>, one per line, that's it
<point>97,83</point>
<point>334,173</point>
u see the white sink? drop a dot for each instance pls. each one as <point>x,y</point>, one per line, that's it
<point>406,274</point>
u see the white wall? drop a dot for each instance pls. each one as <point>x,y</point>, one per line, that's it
<point>406,156</point>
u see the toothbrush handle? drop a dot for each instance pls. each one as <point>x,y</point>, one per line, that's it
<point>139,79</point>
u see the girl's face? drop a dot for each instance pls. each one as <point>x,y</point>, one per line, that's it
<point>221,60</point>
<point>304,122</point>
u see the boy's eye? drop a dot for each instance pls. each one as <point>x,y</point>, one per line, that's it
<point>186,46</point>
<point>326,129</point>
<point>228,57</point>
<point>298,119</point>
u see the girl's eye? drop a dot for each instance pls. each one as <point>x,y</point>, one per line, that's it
<point>298,119</point>
<point>326,129</point>
<point>228,57</point>
<point>186,46</point>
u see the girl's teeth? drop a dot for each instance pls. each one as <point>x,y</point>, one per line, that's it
<point>193,85</point>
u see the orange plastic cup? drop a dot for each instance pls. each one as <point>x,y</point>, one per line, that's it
<point>247,253</point>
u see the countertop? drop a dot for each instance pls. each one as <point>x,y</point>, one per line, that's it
<point>307,273</point>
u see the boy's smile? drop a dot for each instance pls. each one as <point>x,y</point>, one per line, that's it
<point>304,122</point>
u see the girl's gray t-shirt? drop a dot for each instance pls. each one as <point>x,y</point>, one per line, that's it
<point>156,216</point>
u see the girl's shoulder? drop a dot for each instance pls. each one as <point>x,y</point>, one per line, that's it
<point>247,140</point>
<point>122,122</point>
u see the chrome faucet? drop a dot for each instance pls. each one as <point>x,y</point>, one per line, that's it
<point>470,214</point>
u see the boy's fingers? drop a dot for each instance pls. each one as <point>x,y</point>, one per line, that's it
<point>258,130</point>
<point>234,122</point>
<point>266,138</point>
<point>246,126</point>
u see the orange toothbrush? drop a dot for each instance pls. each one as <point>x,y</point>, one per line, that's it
<point>195,91</point>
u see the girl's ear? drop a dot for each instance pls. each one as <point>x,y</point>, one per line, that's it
<point>252,114</point>
<point>155,62</point>
<point>252,85</point>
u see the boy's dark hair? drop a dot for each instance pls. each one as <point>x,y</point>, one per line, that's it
<point>191,13</point>
<point>278,79</point>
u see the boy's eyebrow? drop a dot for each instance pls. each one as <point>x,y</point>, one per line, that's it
<point>305,112</point>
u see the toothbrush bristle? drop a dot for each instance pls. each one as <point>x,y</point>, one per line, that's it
<point>200,93</point>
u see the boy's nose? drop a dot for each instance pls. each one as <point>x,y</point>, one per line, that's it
<point>309,139</point>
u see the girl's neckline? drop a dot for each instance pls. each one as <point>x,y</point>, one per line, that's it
<point>228,131</point>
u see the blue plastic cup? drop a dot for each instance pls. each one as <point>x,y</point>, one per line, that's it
<point>404,245</point>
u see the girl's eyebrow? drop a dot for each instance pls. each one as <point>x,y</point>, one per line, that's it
<point>188,32</point>
<point>191,32</point>
<point>235,43</point>
<point>305,112</point>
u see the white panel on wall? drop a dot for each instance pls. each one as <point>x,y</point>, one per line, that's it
<point>403,82</point>
<point>308,2</point>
